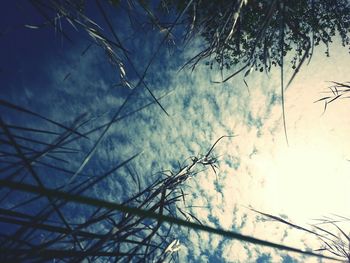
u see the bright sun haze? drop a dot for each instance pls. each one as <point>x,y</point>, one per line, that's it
<point>309,178</point>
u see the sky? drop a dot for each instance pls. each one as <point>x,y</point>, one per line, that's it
<point>302,181</point>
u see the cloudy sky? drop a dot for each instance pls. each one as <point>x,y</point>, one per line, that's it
<point>305,180</point>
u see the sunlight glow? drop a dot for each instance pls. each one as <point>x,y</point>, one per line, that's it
<point>307,180</point>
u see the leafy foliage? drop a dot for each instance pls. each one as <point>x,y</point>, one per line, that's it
<point>254,33</point>
<point>257,34</point>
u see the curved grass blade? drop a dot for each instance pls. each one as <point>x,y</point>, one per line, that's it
<point>282,71</point>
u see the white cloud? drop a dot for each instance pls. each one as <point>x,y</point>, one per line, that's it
<point>200,112</point>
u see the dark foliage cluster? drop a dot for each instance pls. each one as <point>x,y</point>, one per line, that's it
<point>49,209</point>
<point>257,33</point>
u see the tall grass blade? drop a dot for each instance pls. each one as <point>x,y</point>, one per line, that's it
<point>21,109</point>
<point>148,214</point>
